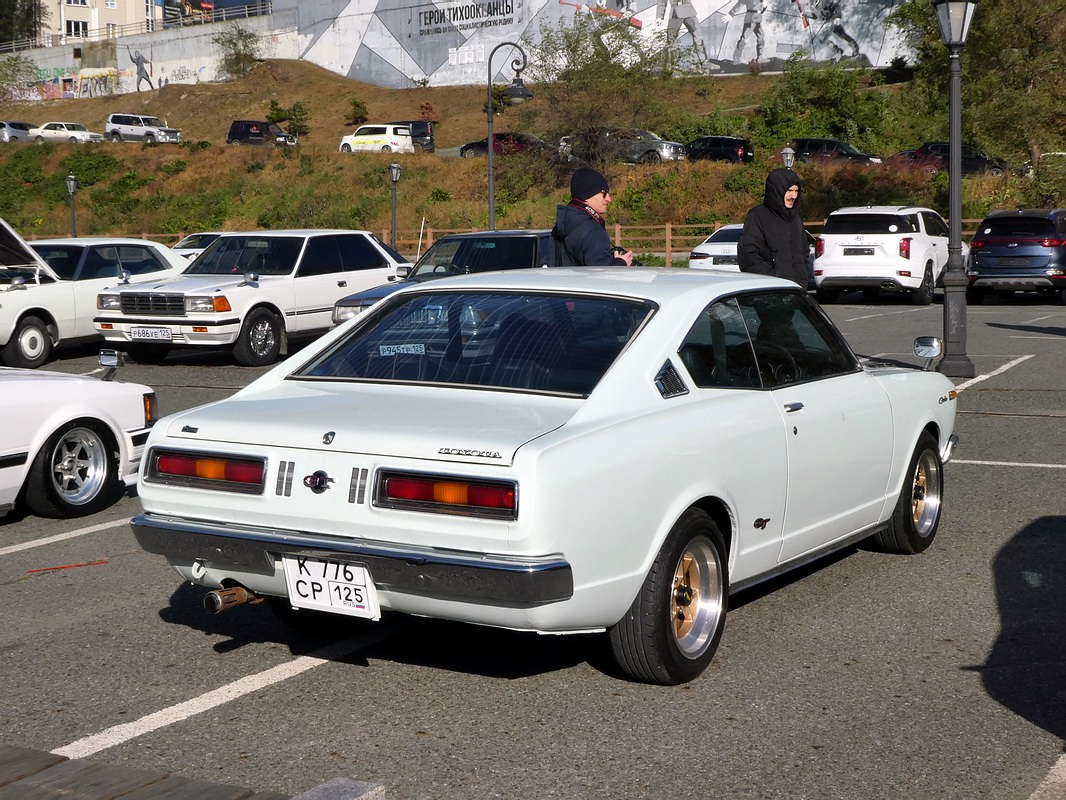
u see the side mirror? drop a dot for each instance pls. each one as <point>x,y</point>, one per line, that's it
<point>111,360</point>
<point>250,278</point>
<point>18,282</point>
<point>124,276</point>
<point>402,271</point>
<point>929,348</point>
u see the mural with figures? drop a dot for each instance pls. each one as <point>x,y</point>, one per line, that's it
<point>405,43</point>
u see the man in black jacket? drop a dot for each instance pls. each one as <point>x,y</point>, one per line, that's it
<point>581,238</point>
<point>773,241</point>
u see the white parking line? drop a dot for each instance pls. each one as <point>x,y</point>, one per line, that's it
<point>1053,787</point>
<point>978,463</point>
<point>120,734</point>
<point>59,537</point>
<point>992,374</point>
<point>884,314</point>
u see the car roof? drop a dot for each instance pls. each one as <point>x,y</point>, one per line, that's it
<point>1048,213</point>
<point>293,232</point>
<point>659,284</point>
<point>880,210</point>
<point>84,241</point>
<point>496,234</point>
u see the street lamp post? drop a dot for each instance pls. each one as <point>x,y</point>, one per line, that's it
<point>514,94</point>
<point>394,176</point>
<point>954,17</point>
<point>788,157</point>
<point>72,186</point>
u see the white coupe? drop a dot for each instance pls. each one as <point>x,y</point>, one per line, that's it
<point>560,451</point>
<point>70,443</point>
<point>48,290</point>
<point>73,132</point>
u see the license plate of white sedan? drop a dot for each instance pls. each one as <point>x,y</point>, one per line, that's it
<point>153,334</point>
<point>324,584</point>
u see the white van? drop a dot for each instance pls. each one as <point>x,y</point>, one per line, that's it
<point>381,138</point>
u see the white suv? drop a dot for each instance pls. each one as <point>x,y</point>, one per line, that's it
<point>138,128</point>
<point>249,292</point>
<point>379,138</point>
<point>881,248</point>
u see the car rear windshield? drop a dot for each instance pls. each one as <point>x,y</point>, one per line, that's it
<point>468,255</point>
<point>870,223</point>
<point>725,235</point>
<point>561,344</point>
<point>237,255</point>
<point>1017,227</point>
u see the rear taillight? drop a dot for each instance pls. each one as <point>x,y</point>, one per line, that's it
<point>698,256</point>
<point>740,152</point>
<point>1050,242</point>
<point>978,243</point>
<point>207,471</point>
<point>819,247</point>
<point>448,495</point>
<point>905,247</point>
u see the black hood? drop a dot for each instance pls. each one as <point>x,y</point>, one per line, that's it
<point>777,183</point>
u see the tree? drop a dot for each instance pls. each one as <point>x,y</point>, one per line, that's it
<point>357,111</point>
<point>239,49</point>
<point>16,72</point>
<point>1014,74</point>
<point>296,115</point>
<point>22,19</point>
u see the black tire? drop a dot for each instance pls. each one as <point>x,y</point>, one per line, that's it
<point>259,342</point>
<point>235,142</point>
<point>825,296</point>
<point>346,148</point>
<point>418,148</point>
<point>73,140</point>
<point>149,139</point>
<point>924,294</point>
<point>40,140</point>
<point>996,172</point>
<point>670,633</point>
<point>29,346</point>
<point>116,136</point>
<point>974,297</point>
<point>917,514</point>
<point>148,353</point>
<point>652,158</point>
<point>75,474</point>
<point>386,149</point>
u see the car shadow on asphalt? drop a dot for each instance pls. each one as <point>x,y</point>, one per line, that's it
<point>1045,330</point>
<point>1024,669</point>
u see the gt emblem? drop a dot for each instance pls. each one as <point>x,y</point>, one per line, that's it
<point>318,482</point>
<point>328,438</point>
<point>760,524</point>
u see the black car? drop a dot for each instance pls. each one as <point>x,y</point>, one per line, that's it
<point>934,156</point>
<point>830,150</point>
<point>421,133</point>
<point>506,143</point>
<point>258,132</point>
<point>460,254</point>
<point>721,148</point>
<point>1018,251</point>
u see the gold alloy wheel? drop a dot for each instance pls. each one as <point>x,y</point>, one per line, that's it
<point>696,597</point>
<point>926,491</point>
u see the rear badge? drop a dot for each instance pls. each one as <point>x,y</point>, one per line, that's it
<point>328,437</point>
<point>318,482</point>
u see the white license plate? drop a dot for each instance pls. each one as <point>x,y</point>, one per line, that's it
<point>156,334</point>
<point>328,585</point>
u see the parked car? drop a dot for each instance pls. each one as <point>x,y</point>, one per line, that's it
<point>140,128</point>
<point>469,451</point>
<point>195,243</point>
<point>632,145</point>
<point>881,248</point>
<point>718,251</point>
<point>459,254</point>
<point>259,132</point>
<point>379,138</point>
<point>249,292</point>
<point>1018,251</point>
<point>421,133</point>
<point>830,150</point>
<point>73,132</point>
<point>15,131</point>
<point>504,144</point>
<point>720,148</point>
<point>48,290</point>
<point>71,442</point>
<point>934,156</point>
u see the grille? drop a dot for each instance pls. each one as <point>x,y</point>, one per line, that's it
<point>170,305</point>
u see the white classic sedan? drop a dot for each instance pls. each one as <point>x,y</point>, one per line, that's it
<point>249,292</point>
<point>70,442</point>
<point>560,451</point>
<point>73,132</point>
<point>48,290</point>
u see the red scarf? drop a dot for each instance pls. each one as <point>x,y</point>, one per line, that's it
<point>587,209</point>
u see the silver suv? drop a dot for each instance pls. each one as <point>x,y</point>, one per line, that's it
<point>138,128</point>
<point>881,248</point>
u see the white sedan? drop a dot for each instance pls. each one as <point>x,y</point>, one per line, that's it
<point>48,290</point>
<point>717,251</point>
<point>560,451</point>
<point>73,132</point>
<point>70,443</point>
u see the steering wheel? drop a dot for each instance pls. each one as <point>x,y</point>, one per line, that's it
<point>447,269</point>
<point>777,361</point>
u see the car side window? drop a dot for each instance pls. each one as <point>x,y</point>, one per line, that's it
<point>139,260</point>
<point>100,262</point>
<point>357,252</point>
<point>717,351</point>
<point>934,225</point>
<point>321,257</point>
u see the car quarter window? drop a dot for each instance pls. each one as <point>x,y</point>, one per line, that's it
<point>99,262</point>
<point>321,257</point>
<point>358,252</point>
<point>934,225</point>
<point>763,340</point>
<point>138,260</point>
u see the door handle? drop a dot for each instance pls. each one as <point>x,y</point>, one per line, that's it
<point>342,284</point>
<point>792,407</point>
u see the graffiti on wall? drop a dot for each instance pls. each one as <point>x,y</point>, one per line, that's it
<point>97,82</point>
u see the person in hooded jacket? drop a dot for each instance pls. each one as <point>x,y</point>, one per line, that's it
<point>581,238</point>
<point>773,241</point>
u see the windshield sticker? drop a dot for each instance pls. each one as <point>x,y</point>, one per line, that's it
<point>402,349</point>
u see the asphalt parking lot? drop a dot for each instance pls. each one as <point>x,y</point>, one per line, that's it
<point>865,676</point>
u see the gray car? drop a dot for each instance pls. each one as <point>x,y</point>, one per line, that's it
<point>15,131</point>
<point>632,145</point>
